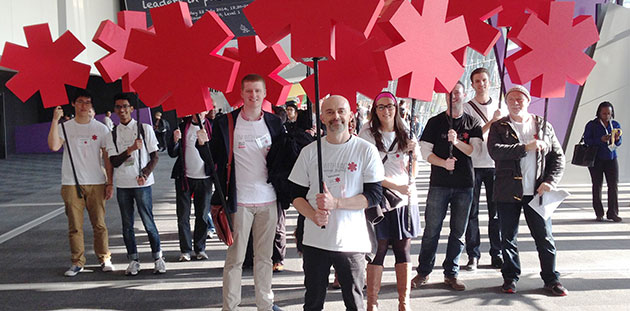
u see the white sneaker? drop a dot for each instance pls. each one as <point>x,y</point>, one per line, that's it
<point>107,266</point>
<point>160,266</point>
<point>133,268</point>
<point>202,256</point>
<point>74,270</point>
<point>184,257</point>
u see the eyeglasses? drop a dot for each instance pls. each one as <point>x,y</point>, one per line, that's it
<point>383,107</point>
<point>122,106</point>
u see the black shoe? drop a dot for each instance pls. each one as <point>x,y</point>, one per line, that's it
<point>614,218</point>
<point>472,264</point>
<point>599,218</point>
<point>508,287</point>
<point>557,289</point>
<point>497,262</point>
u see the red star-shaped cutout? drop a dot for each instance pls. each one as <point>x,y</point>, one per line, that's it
<point>422,58</point>
<point>481,35</point>
<point>45,66</point>
<point>310,23</point>
<point>256,57</point>
<point>352,166</point>
<point>552,53</point>
<point>114,39</point>
<point>337,179</point>
<point>354,70</point>
<point>180,65</point>
<point>94,137</point>
<point>514,11</point>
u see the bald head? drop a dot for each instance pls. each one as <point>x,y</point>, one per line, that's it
<point>336,113</point>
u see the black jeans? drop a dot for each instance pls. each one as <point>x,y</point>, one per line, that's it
<point>350,269</point>
<point>483,176</point>
<point>202,189</point>
<point>610,169</point>
<point>280,240</point>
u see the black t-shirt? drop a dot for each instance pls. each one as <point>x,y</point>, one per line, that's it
<point>435,132</point>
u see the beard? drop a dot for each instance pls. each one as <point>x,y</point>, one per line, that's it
<point>336,127</point>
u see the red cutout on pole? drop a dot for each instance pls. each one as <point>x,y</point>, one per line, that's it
<point>552,53</point>
<point>45,66</point>
<point>354,70</point>
<point>182,60</point>
<point>422,58</point>
<point>114,38</point>
<point>310,23</point>
<point>513,11</point>
<point>256,57</point>
<point>481,35</point>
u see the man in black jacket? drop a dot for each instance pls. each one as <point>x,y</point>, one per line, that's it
<point>525,164</point>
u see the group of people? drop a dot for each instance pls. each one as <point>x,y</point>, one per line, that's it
<point>515,154</point>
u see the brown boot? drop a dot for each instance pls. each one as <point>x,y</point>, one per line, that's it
<point>403,284</point>
<point>374,274</point>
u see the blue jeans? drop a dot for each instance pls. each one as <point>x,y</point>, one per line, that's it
<point>509,214</point>
<point>144,201</point>
<point>202,190</point>
<point>483,176</point>
<point>438,201</point>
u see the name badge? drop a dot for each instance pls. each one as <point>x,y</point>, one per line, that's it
<point>263,141</point>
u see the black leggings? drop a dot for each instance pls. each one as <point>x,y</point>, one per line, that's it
<point>401,249</point>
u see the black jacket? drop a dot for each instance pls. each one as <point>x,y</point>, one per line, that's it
<point>219,146</point>
<point>175,150</point>
<point>506,151</point>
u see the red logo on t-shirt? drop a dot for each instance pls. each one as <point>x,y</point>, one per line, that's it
<point>337,179</point>
<point>465,135</point>
<point>352,166</point>
<point>94,137</point>
<point>398,155</point>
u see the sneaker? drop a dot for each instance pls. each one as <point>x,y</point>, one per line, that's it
<point>557,289</point>
<point>202,256</point>
<point>107,266</point>
<point>614,218</point>
<point>508,287</point>
<point>497,262</point>
<point>278,267</point>
<point>184,257</point>
<point>599,218</point>
<point>454,283</point>
<point>160,266</point>
<point>276,308</point>
<point>133,268</point>
<point>419,280</point>
<point>210,234</point>
<point>472,264</point>
<point>74,270</point>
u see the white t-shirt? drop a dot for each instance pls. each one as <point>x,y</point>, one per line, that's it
<point>86,141</point>
<point>125,175</point>
<point>108,122</point>
<point>396,165</point>
<point>195,167</point>
<point>481,158</point>
<point>525,132</point>
<point>346,167</point>
<point>252,142</point>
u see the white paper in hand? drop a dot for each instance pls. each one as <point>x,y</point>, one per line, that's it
<point>551,201</point>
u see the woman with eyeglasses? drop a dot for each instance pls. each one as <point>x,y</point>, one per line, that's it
<point>605,133</point>
<point>401,223</point>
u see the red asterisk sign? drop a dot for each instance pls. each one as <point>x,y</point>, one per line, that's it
<point>514,11</point>
<point>311,23</point>
<point>94,137</point>
<point>45,66</point>
<point>354,70</point>
<point>552,52</point>
<point>352,166</point>
<point>114,39</point>
<point>481,35</point>
<point>337,179</point>
<point>256,57</point>
<point>181,59</point>
<point>422,56</point>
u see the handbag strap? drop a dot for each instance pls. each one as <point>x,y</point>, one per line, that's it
<point>231,148</point>
<point>74,171</point>
<point>478,111</point>
<point>391,147</point>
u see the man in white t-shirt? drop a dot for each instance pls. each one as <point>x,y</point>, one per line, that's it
<point>82,164</point>
<point>335,230</point>
<point>107,120</point>
<point>251,200</point>
<point>130,152</point>
<point>486,111</point>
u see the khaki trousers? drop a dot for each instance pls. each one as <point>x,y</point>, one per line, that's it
<point>261,221</point>
<point>94,201</point>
